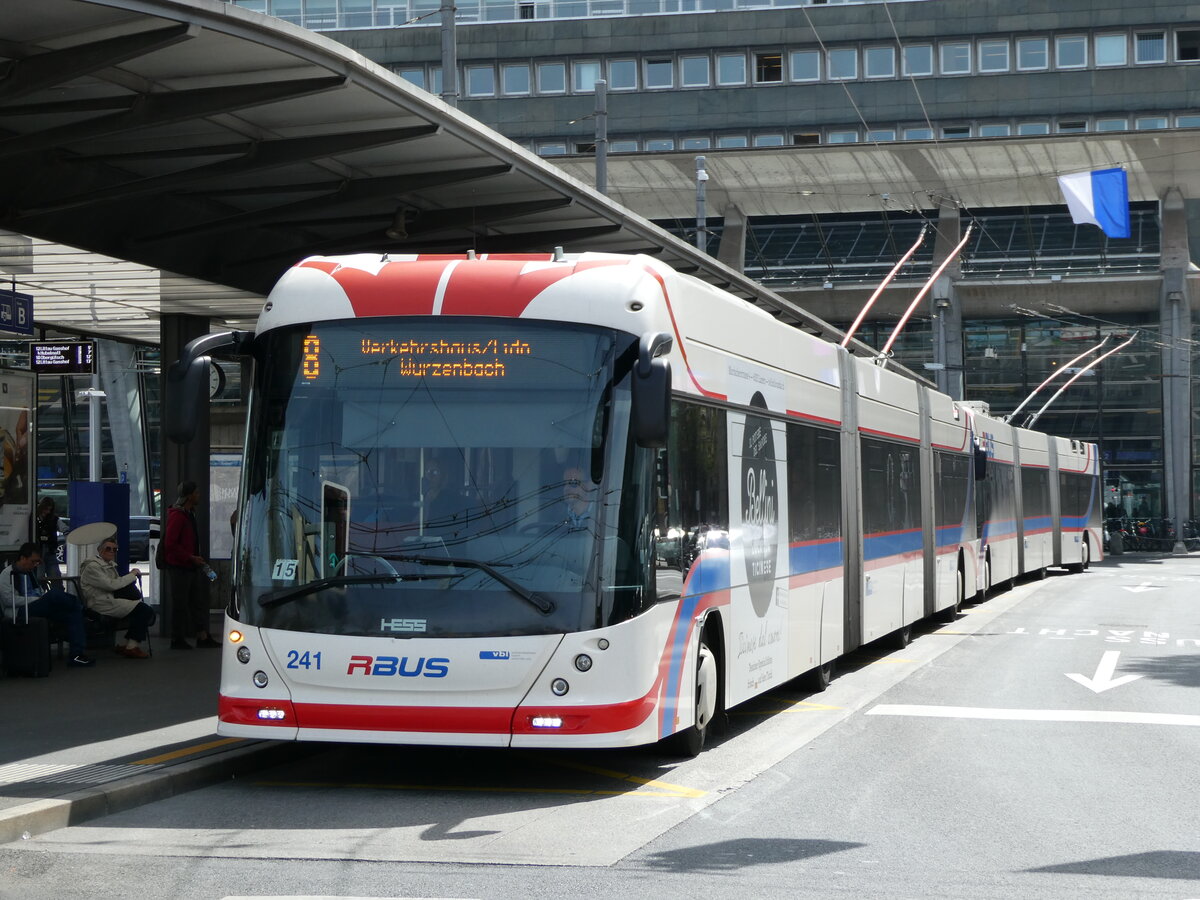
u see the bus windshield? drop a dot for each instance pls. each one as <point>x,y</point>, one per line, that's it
<point>438,476</point>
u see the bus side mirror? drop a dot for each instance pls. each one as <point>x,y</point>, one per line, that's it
<point>187,380</point>
<point>981,458</point>
<point>652,391</point>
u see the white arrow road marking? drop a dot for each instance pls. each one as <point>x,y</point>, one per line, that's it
<point>1142,588</point>
<point>1103,679</point>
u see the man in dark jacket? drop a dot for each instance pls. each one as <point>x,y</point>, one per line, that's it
<point>187,584</point>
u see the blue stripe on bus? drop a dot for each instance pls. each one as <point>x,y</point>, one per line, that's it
<point>894,543</point>
<point>814,556</point>
<point>949,535</point>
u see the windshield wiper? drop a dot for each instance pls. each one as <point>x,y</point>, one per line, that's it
<point>541,603</point>
<point>288,594</point>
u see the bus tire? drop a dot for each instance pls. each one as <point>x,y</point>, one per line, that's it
<point>819,678</point>
<point>1085,559</point>
<point>690,741</point>
<point>901,637</point>
<point>950,613</point>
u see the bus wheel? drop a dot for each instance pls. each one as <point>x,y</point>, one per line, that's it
<point>690,741</point>
<point>1085,559</point>
<point>818,679</point>
<point>987,579</point>
<point>950,613</point>
<point>901,637</point>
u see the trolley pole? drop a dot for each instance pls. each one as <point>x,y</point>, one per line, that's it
<point>701,220</point>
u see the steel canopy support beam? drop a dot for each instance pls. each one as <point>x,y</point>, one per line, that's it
<point>155,110</point>
<point>335,194</point>
<point>255,157</point>
<point>21,77</point>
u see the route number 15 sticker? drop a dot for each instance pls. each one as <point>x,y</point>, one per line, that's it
<point>284,570</point>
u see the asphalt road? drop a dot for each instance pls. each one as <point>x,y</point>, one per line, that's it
<point>1043,746</point>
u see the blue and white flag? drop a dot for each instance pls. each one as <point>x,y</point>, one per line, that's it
<point>1099,198</point>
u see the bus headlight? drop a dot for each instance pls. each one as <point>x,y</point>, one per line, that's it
<point>243,654</point>
<point>559,687</point>
<point>583,662</point>
<point>260,679</point>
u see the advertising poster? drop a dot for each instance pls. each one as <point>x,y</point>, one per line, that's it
<point>759,558</point>
<point>16,459</point>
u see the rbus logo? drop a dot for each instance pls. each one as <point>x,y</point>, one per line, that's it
<point>403,666</point>
<point>760,507</point>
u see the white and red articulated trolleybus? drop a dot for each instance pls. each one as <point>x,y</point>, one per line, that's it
<point>584,500</point>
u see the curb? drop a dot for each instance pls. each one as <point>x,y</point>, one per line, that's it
<point>40,816</point>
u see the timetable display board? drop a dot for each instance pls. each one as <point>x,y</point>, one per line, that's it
<point>62,357</point>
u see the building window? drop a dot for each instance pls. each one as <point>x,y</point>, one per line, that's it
<point>1072,126</point>
<point>994,130</point>
<point>622,74</point>
<point>694,71</point>
<point>768,68</point>
<point>1150,47</point>
<point>413,76</point>
<point>956,132</point>
<point>731,69</point>
<point>805,65</point>
<point>481,81</point>
<point>1112,124</point>
<point>879,62</point>
<point>880,135</point>
<point>1070,51</point>
<point>843,137</point>
<point>1189,121</point>
<point>1033,53</point>
<point>526,10</point>
<point>658,145</point>
<point>1148,123</point>
<point>1110,49</point>
<point>586,147</point>
<point>955,58</point>
<point>622,146</point>
<point>993,56</point>
<point>842,64</point>
<point>918,60</point>
<point>695,143</point>
<point>768,140</point>
<point>552,149</point>
<point>732,141</point>
<point>918,134</point>
<point>435,80</point>
<point>584,76</point>
<point>515,79</point>
<point>1187,46</point>
<point>552,78</point>
<point>659,74</point>
<point>806,139</point>
<point>1033,128</point>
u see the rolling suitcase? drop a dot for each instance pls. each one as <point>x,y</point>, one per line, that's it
<point>26,646</point>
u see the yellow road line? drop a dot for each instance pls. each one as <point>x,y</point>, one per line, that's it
<point>186,751</point>
<point>790,707</point>
<point>676,790</point>
<point>582,792</point>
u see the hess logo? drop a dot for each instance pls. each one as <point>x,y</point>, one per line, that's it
<point>403,666</point>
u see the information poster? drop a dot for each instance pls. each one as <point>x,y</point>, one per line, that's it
<point>16,459</point>
<point>225,474</point>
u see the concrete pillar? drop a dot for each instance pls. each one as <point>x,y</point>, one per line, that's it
<point>183,462</point>
<point>732,249</point>
<point>945,309</point>
<point>1175,314</point>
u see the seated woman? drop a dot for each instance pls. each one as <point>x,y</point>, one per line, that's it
<point>111,594</point>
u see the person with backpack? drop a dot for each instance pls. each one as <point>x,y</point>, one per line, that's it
<point>184,568</point>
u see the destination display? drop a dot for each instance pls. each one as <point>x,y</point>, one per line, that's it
<point>62,357</point>
<point>430,358</point>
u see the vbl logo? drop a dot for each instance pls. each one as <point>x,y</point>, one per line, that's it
<point>434,667</point>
